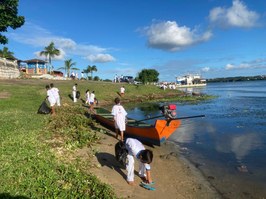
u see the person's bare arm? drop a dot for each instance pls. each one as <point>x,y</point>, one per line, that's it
<point>148,176</point>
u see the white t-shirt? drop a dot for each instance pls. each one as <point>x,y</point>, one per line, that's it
<point>119,114</point>
<point>51,97</point>
<point>92,96</point>
<point>122,90</point>
<point>55,92</point>
<point>134,147</point>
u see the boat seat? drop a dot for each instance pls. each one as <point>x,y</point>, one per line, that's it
<point>108,116</point>
<point>143,124</point>
<point>103,114</point>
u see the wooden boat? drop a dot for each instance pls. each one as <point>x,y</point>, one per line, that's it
<point>154,134</point>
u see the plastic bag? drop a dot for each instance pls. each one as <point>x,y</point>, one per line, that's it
<point>44,108</point>
<point>78,95</point>
<point>121,153</point>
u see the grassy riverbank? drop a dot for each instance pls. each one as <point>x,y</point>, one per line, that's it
<point>36,149</point>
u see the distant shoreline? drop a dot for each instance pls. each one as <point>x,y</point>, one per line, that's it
<point>237,79</point>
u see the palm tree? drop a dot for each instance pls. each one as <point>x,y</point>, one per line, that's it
<point>50,52</point>
<point>69,65</point>
<point>86,72</point>
<point>5,53</point>
<point>90,69</point>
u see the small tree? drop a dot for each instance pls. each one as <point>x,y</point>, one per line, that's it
<point>85,71</point>
<point>50,52</point>
<point>148,75</point>
<point>69,65</point>
<point>96,78</point>
<point>90,69</point>
<point>5,53</point>
<point>9,17</point>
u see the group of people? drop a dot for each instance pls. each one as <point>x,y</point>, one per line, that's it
<point>118,79</point>
<point>74,75</point>
<point>89,96</point>
<point>90,100</point>
<point>134,147</point>
<point>53,97</point>
<point>170,86</point>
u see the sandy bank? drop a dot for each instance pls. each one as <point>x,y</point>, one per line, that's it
<point>174,177</point>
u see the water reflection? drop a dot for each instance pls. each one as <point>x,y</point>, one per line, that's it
<point>240,145</point>
<point>232,133</point>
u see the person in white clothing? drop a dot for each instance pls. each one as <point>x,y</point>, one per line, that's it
<point>74,92</point>
<point>56,94</point>
<point>51,99</point>
<point>87,95</point>
<point>119,114</point>
<point>91,100</point>
<point>122,91</point>
<point>144,156</point>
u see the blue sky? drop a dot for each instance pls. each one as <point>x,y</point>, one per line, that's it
<point>214,38</point>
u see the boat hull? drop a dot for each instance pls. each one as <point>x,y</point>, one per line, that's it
<point>189,86</point>
<point>150,134</point>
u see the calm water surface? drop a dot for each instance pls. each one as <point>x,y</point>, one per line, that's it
<point>228,145</point>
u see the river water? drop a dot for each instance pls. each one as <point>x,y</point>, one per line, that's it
<point>228,144</point>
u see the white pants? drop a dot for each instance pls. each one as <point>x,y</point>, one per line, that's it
<point>130,168</point>
<point>58,101</point>
<point>74,96</point>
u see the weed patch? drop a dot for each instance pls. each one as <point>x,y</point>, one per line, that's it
<point>72,127</point>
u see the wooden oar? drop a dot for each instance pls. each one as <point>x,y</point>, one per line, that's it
<point>188,117</point>
<point>182,118</point>
<point>178,118</point>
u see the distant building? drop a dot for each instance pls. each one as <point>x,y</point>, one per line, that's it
<point>33,66</point>
<point>58,73</point>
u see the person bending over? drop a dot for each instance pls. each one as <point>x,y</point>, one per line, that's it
<point>51,99</point>
<point>144,156</point>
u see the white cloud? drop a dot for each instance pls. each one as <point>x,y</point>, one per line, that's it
<point>37,36</point>
<point>240,66</point>
<point>100,58</point>
<point>205,69</point>
<point>229,66</point>
<point>238,15</point>
<point>172,37</point>
<point>247,65</point>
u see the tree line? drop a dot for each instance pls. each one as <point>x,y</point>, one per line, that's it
<point>238,78</point>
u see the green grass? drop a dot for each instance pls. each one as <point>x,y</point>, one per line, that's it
<point>30,166</point>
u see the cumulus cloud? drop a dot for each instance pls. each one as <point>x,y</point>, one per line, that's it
<point>100,58</point>
<point>37,36</point>
<point>238,15</point>
<point>172,37</point>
